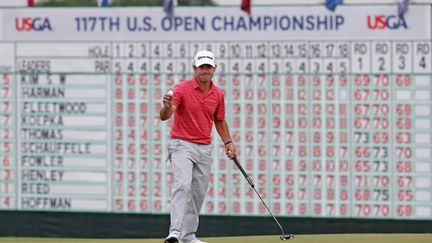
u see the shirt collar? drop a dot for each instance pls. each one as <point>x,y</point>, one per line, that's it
<point>196,86</point>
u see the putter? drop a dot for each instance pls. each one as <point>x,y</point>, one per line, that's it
<point>284,236</point>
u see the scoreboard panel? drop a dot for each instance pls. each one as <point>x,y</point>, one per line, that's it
<point>331,112</point>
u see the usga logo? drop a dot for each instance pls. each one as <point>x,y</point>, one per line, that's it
<point>32,24</point>
<point>381,22</point>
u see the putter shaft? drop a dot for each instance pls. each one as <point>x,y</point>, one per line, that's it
<point>284,236</point>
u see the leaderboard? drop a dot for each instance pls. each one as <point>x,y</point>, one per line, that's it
<point>326,126</point>
<point>55,137</point>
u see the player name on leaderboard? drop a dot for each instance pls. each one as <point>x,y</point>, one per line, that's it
<point>55,121</point>
<point>332,119</point>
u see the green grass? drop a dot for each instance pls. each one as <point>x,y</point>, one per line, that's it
<point>334,238</point>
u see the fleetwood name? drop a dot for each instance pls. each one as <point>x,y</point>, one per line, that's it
<point>54,107</point>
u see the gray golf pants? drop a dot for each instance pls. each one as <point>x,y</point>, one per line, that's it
<point>191,164</point>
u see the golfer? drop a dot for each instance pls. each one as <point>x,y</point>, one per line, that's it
<point>197,104</point>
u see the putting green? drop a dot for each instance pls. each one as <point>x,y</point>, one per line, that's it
<point>333,238</point>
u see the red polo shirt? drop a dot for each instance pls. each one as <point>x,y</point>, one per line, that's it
<point>196,111</point>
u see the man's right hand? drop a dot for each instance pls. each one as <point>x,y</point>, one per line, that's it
<point>167,101</point>
<point>168,107</point>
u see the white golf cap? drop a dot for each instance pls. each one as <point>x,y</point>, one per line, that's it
<point>204,57</point>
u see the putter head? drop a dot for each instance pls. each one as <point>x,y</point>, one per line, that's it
<point>287,237</point>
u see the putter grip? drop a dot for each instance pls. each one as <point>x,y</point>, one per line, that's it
<point>243,172</point>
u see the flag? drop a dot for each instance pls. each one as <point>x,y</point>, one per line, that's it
<point>246,6</point>
<point>332,4</point>
<point>402,7</point>
<point>103,3</point>
<point>30,3</point>
<point>168,7</point>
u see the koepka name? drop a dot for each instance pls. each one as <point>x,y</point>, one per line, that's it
<point>41,120</point>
